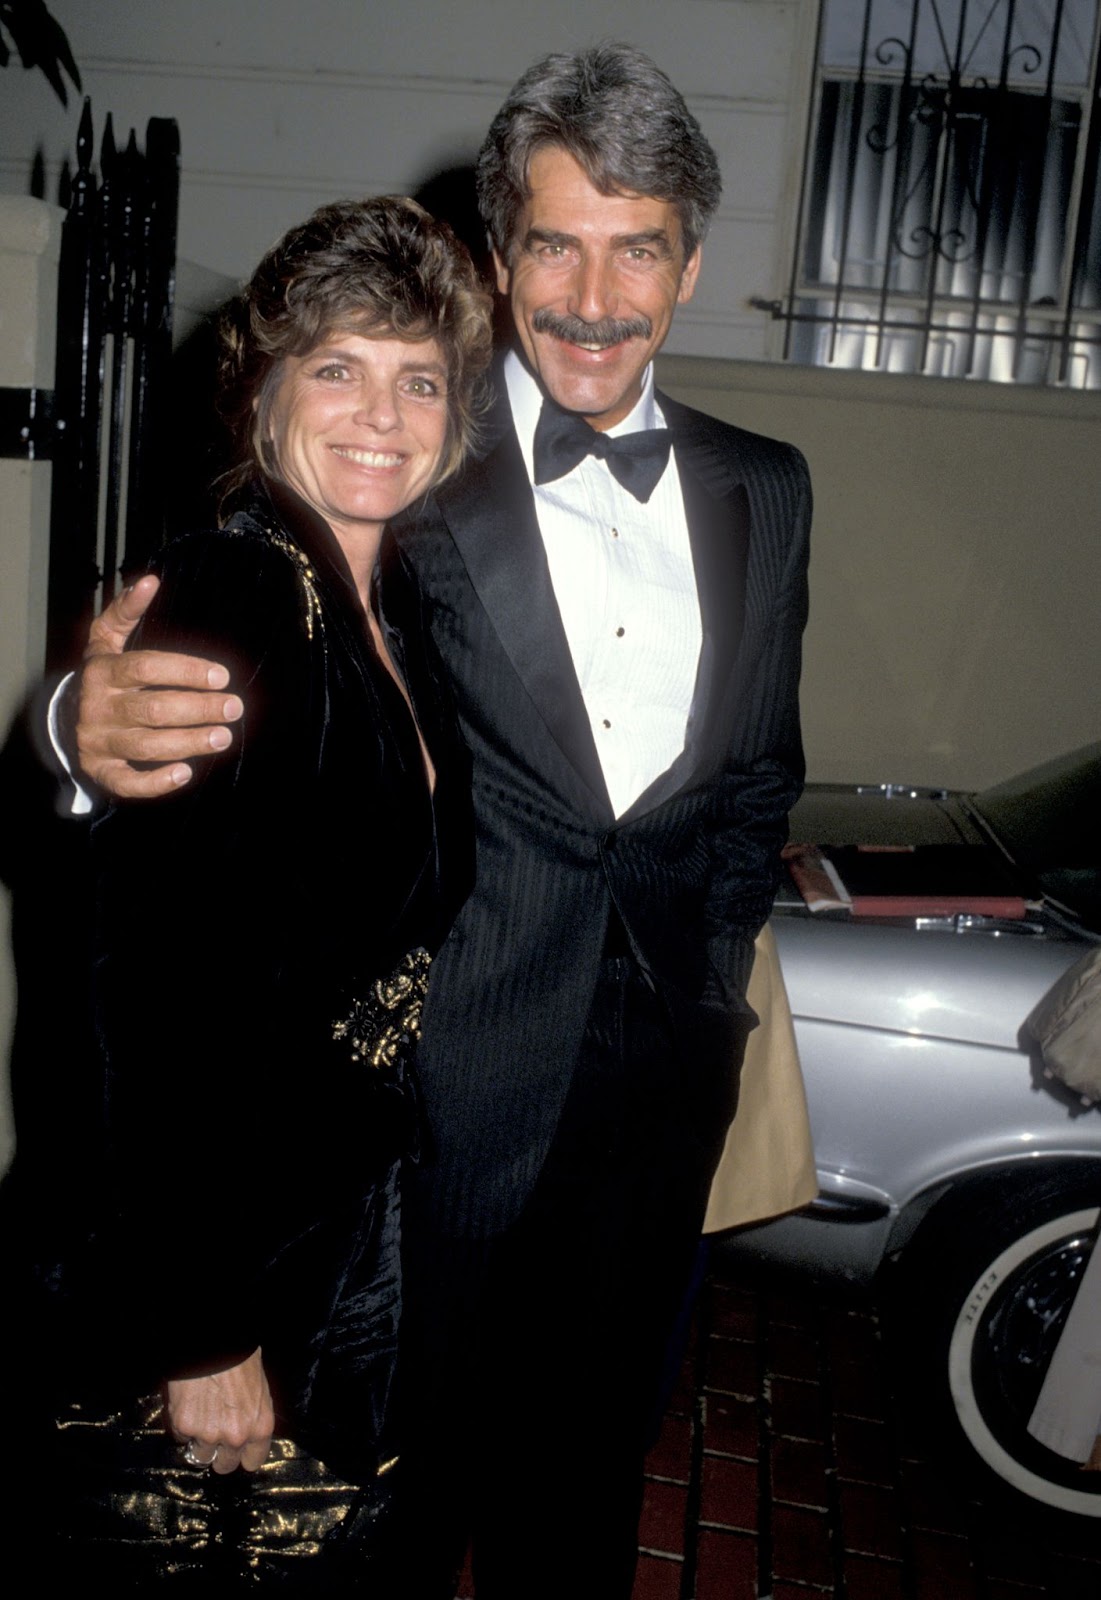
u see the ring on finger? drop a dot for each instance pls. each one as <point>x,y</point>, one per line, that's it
<point>195,1461</point>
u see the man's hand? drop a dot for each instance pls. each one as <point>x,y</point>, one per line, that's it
<point>226,1419</point>
<point>122,718</point>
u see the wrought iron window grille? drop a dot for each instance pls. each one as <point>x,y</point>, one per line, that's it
<point>950,220</point>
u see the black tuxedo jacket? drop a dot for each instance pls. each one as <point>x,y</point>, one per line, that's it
<point>690,869</point>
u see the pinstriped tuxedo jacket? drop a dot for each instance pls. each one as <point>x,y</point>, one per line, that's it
<point>690,869</point>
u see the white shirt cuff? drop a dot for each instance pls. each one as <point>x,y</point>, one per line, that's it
<point>82,801</point>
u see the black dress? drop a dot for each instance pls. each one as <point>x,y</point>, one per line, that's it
<point>262,944</point>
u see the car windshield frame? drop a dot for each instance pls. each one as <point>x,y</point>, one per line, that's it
<point>1048,822</point>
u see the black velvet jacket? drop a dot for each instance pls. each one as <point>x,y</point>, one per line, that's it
<point>241,918</point>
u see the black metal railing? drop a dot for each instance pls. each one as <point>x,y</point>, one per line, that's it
<point>951,212</point>
<point>116,285</point>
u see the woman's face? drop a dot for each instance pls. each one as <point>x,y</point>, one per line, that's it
<point>358,426</point>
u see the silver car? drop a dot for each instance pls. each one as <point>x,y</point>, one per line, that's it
<point>949,1167</point>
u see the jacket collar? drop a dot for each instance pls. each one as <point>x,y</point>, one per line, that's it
<point>276,507</point>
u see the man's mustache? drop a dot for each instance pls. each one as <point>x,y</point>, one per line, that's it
<point>575,330</point>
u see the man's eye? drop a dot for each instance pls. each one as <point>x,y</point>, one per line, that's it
<point>552,252</point>
<point>639,252</point>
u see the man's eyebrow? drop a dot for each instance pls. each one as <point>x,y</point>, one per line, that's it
<point>648,236</point>
<point>549,236</point>
<point>657,238</point>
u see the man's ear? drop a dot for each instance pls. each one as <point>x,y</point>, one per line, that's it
<point>504,275</point>
<point>688,277</point>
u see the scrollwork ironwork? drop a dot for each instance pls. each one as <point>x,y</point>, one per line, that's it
<point>961,148</point>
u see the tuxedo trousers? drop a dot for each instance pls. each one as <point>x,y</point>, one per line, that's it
<point>533,1360</point>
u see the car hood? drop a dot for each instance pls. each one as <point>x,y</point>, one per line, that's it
<point>973,986</point>
<point>965,979</point>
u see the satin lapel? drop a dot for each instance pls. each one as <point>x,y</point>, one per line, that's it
<point>716,508</point>
<point>490,513</point>
<point>719,533</point>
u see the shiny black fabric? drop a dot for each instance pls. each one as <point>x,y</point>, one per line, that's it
<point>112,1501</point>
<point>238,1188</point>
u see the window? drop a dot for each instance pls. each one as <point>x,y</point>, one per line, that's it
<point>951,212</point>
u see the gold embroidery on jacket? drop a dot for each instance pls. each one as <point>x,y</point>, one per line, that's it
<point>306,576</point>
<point>388,1018</point>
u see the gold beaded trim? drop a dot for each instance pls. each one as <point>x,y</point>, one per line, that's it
<point>306,576</point>
<point>389,1017</point>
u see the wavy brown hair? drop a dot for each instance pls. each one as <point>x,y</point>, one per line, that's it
<point>382,268</point>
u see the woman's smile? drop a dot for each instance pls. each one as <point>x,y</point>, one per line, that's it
<point>358,427</point>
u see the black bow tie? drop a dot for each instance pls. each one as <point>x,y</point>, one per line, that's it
<point>635,460</point>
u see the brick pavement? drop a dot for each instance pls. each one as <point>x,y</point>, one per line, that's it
<point>785,1471</point>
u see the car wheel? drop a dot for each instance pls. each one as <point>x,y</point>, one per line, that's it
<point>991,1283</point>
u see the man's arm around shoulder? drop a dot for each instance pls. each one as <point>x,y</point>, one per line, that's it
<point>143,706</point>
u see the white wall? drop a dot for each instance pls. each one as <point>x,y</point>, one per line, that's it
<point>955,565</point>
<point>29,243</point>
<point>283,104</point>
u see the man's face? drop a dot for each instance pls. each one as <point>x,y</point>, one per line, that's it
<point>593,280</point>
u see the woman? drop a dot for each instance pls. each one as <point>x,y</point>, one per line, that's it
<point>242,1247</point>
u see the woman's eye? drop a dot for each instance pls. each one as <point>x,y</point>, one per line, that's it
<point>332,372</point>
<point>423,388</point>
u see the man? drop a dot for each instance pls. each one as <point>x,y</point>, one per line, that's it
<point>617,585</point>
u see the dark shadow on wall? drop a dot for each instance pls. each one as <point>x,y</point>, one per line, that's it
<point>199,448</point>
<point>451,196</point>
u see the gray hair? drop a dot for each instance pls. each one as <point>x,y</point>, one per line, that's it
<point>623,122</point>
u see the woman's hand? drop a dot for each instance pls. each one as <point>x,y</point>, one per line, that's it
<point>227,1418</point>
